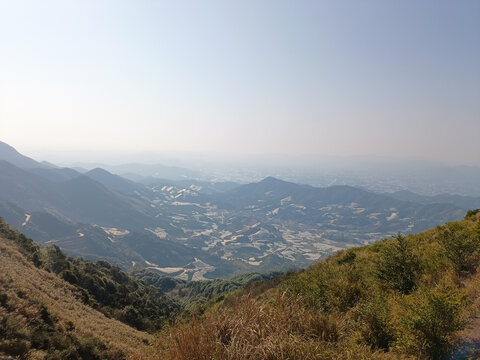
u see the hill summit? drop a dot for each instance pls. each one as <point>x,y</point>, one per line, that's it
<point>8,153</point>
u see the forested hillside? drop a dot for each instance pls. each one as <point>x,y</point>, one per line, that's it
<point>194,296</point>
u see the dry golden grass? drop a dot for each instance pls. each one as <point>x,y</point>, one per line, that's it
<point>277,327</point>
<point>471,334</point>
<point>27,287</point>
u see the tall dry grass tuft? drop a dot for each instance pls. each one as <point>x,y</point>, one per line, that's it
<point>276,327</point>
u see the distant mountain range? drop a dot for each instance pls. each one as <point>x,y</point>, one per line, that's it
<point>464,202</point>
<point>56,307</point>
<point>140,172</point>
<point>191,229</point>
<point>8,153</point>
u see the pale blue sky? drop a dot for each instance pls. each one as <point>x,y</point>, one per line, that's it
<point>393,78</point>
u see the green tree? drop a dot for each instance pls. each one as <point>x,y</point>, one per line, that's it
<point>462,246</point>
<point>375,317</point>
<point>398,267</point>
<point>433,317</point>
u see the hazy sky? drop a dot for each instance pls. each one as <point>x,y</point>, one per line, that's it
<point>394,78</point>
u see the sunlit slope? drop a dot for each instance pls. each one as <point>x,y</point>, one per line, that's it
<point>41,314</point>
<point>405,298</point>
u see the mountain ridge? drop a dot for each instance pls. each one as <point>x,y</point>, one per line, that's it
<point>263,226</point>
<point>10,154</point>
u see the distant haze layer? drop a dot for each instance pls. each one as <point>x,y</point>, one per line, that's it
<point>313,78</point>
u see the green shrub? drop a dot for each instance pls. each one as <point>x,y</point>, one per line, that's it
<point>398,267</point>
<point>377,328</point>
<point>16,347</point>
<point>69,276</point>
<point>471,213</point>
<point>3,299</point>
<point>348,258</point>
<point>462,246</point>
<point>433,317</point>
<point>329,287</point>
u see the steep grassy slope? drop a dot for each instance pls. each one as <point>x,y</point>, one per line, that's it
<point>44,317</point>
<point>103,286</point>
<point>56,307</point>
<point>403,298</point>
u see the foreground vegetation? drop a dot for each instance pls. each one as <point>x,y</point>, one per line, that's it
<point>403,298</point>
<point>104,287</point>
<point>44,317</point>
<point>56,307</point>
<point>406,297</point>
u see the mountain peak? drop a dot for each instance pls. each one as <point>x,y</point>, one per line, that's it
<point>99,171</point>
<point>271,180</point>
<point>10,154</point>
<point>5,146</point>
<point>113,181</point>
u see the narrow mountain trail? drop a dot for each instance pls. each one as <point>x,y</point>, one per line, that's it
<point>27,219</point>
<point>469,344</point>
<point>469,347</point>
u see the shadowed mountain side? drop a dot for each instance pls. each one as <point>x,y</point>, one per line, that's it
<point>270,189</point>
<point>81,199</point>
<point>166,253</point>
<point>92,202</point>
<point>76,239</point>
<point>41,225</point>
<point>115,182</point>
<point>56,174</point>
<point>307,204</point>
<point>97,243</point>
<point>464,202</point>
<point>28,190</point>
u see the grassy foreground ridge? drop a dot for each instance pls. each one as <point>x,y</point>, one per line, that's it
<point>413,297</point>
<point>43,316</point>
<point>402,298</point>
